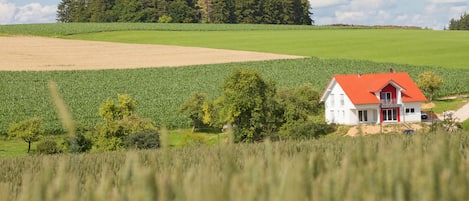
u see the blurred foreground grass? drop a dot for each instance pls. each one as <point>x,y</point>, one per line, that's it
<point>385,167</point>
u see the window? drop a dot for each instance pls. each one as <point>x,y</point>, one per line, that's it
<point>386,97</point>
<point>409,110</point>
<point>342,102</point>
<point>332,100</point>
<point>362,115</point>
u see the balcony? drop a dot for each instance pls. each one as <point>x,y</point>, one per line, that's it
<point>389,103</point>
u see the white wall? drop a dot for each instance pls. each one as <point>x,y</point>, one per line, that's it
<point>338,111</point>
<point>411,117</point>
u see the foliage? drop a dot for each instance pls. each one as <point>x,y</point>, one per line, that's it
<point>299,103</point>
<point>305,130</point>
<point>186,11</point>
<point>81,142</point>
<point>248,103</point>
<point>429,82</point>
<point>121,122</point>
<point>165,19</point>
<point>110,111</point>
<point>161,91</point>
<point>48,147</point>
<point>395,167</point>
<point>143,140</point>
<point>299,106</point>
<point>194,106</point>
<point>461,24</point>
<point>29,130</point>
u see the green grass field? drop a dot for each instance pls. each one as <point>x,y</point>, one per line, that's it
<point>403,46</point>
<point>416,47</point>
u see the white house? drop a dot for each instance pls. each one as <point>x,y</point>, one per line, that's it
<point>372,98</point>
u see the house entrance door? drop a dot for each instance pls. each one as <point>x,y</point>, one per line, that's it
<point>389,114</point>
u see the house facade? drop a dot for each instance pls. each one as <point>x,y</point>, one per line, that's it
<point>372,98</point>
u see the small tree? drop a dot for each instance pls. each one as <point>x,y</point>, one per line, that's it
<point>29,130</point>
<point>429,82</point>
<point>121,122</point>
<point>194,106</point>
<point>248,103</point>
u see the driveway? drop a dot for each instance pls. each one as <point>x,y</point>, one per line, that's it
<point>462,113</point>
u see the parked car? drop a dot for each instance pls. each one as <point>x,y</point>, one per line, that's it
<point>423,115</point>
<point>408,132</point>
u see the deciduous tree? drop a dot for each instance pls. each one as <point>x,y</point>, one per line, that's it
<point>429,82</point>
<point>121,122</point>
<point>28,130</point>
<point>193,106</point>
<point>249,105</point>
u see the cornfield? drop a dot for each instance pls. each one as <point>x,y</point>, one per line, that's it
<point>160,91</point>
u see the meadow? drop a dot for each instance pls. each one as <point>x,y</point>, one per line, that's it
<point>430,166</point>
<point>404,46</point>
<point>160,91</point>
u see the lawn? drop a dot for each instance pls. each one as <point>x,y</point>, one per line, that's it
<point>14,147</point>
<point>442,105</point>
<point>416,47</point>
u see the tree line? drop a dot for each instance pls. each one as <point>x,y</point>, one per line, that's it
<point>461,24</point>
<point>186,11</point>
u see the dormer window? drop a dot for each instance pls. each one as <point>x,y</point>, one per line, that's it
<point>386,97</point>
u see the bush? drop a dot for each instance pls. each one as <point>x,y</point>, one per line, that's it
<point>80,143</point>
<point>302,130</point>
<point>165,19</point>
<point>48,147</point>
<point>143,140</point>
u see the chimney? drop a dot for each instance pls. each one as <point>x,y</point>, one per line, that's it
<point>391,70</point>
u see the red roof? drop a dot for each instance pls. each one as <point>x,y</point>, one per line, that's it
<point>361,88</point>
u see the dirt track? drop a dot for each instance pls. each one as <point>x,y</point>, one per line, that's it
<point>47,54</point>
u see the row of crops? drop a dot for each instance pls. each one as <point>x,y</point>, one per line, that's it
<point>160,91</point>
<point>427,167</point>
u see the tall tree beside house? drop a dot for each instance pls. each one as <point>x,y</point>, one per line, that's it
<point>461,24</point>
<point>29,130</point>
<point>429,82</point>
<point>248,103</point>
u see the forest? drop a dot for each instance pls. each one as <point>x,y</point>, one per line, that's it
<point>187,11</point>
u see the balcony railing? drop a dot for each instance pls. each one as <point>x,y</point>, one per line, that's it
<point>386,103</point>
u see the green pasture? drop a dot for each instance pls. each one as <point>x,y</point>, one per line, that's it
<point>403,46</point>
<point>416,47</point>
<point>160,91</point>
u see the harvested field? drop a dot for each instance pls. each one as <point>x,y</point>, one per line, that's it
<point>49,54</point>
